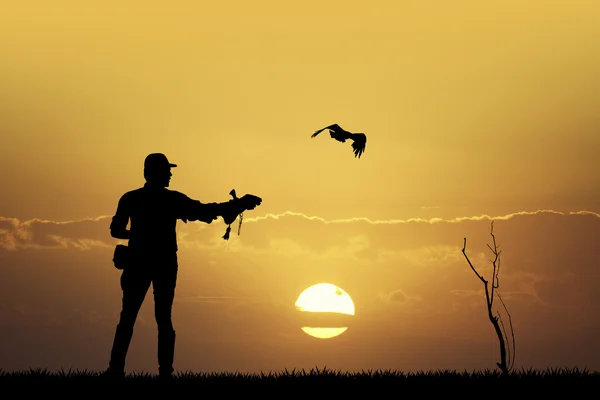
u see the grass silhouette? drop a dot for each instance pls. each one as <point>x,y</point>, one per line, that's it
<point>315,379</point>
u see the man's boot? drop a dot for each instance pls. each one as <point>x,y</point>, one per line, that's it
<point>116,365</point>
<point>166,354</point>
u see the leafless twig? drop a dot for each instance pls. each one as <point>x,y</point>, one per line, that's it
<point>504,366</point>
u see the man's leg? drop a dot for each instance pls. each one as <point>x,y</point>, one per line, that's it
<point>164,283</point>
<point>135,284</point>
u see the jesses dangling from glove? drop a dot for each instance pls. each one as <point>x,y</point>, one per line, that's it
<point>231,209</point>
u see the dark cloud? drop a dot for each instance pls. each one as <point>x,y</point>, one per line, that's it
<point>81,234</point>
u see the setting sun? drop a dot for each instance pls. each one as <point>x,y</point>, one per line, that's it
<point>325,298</point>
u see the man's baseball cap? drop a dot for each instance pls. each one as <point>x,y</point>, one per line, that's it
<point>157,161</point>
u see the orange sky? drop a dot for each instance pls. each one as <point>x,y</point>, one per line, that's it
<point>470,110</point>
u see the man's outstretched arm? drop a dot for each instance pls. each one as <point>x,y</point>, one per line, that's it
<point>194,210</point>
<point>208,212</point>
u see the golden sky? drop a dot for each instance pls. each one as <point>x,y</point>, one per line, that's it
<point>471,109</point>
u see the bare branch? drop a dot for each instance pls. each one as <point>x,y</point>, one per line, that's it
<point>497,278</point>
<point>469,261</point>
<point>496,321</point>
<point>492,234</point>
<point>494,261</point>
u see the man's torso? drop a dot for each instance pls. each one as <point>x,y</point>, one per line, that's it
<point>153,214</point>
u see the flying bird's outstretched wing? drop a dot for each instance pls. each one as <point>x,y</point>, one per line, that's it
<point>341,135</point>
<point>332,128</point>
<point>359,144</point>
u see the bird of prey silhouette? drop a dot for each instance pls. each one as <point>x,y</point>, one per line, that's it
<point>336,132</point>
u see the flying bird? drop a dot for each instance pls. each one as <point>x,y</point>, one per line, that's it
<point>359,140</point>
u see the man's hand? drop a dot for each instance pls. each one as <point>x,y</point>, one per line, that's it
<point>250,201</point>
<point>235,207</point>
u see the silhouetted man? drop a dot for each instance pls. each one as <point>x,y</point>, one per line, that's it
<point>153,211</point>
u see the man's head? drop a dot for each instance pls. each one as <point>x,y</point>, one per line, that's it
<point>157,169</point>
